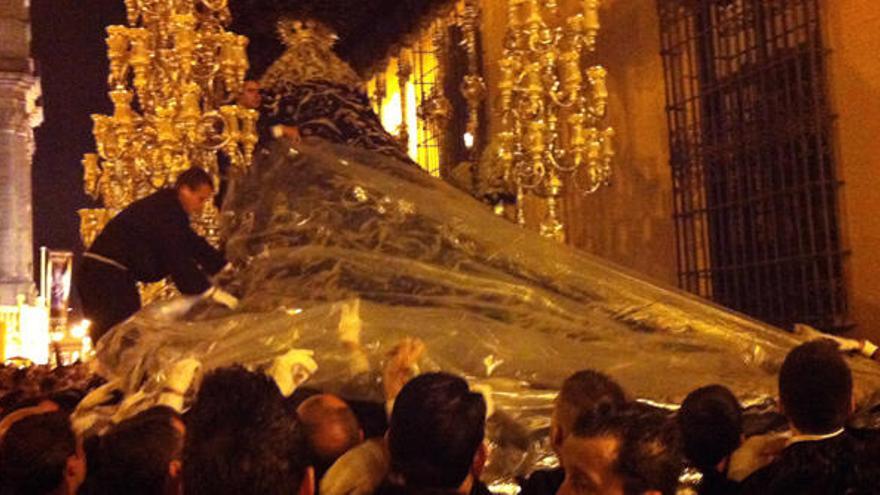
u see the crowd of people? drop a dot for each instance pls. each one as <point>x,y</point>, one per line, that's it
<point>243,433</point>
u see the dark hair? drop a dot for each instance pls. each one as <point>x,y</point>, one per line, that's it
<point>193,178</point>
<point>436,427</point>
<point>67,399</point>
<point>649,456</point>
<point>240,438</point>
<point>815,387</point>
<point>20,376</point>
<point>10,401</point>
<point>135,454</point>
<point>34,453</point>
<point>331,429</point>
<point>710,421</point>
<point>585,394</point>
<point>48,384</point>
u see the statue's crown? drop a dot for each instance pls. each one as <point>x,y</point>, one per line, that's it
<point>297,32</point>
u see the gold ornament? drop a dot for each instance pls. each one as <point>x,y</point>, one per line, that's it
<point>543,83</point>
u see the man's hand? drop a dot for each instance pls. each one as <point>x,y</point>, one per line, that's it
<point>401,366</point>
<point>755,453</point>
<point>292,133</point>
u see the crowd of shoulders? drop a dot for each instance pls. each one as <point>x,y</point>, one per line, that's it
<point>253,431</point>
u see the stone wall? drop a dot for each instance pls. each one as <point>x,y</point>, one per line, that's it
<point>853,35</point>
<point>19,114</point>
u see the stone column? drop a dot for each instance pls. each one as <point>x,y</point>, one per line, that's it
<point>19,114</point>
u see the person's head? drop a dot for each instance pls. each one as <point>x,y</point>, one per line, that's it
<point>21,380</point>
<point>250,96</point>
<point>41,455</point>
<point>623,453</point>
<point>141,455</point>
<point>67,400</point>
<point>331,429</point>
<point>436,431</point>
<point>710,422</point>
<point>241,439</point>
<point>815,388</point>
<point>583,394</point>
<point>194,189</point>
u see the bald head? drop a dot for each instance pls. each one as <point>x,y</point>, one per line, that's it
<point>331,428</point>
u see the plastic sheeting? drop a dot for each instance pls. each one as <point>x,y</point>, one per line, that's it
<point>312,230</point>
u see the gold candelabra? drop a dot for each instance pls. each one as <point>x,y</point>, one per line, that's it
<point>473,86</point>
<point>544,82</point>
<point>174,73</point>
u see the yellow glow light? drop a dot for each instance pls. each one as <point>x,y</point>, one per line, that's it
<point>391,114</point>
<point>468,140</point>
<point>81,329</point>
<point>27,332</point>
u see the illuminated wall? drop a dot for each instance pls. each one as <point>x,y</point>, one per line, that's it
<point>629,222</point>
<point>25,332</point>
<point>853,35</point>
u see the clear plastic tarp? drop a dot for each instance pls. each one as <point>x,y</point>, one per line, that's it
<point>313,230</point>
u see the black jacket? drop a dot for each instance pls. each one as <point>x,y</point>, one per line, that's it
<point>543,482</point>
<point>837,465</point>
<point>715,483</point>
<point>153,238</point>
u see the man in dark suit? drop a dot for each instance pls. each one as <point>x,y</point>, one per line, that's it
<point>150,240</point>
<point>823,456</point>
<point>251,98</point>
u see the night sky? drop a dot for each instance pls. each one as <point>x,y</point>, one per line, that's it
<point>69,51</point>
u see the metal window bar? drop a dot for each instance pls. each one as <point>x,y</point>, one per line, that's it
<point>754,181</point>
<point>426,80</point>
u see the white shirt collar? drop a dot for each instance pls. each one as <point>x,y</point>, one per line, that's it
<point>815,438</point>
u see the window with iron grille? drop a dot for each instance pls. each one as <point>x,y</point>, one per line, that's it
<point>428,84</point>
<point>752,159</point>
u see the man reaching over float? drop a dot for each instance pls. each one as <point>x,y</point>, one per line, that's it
<point>149,240</point>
